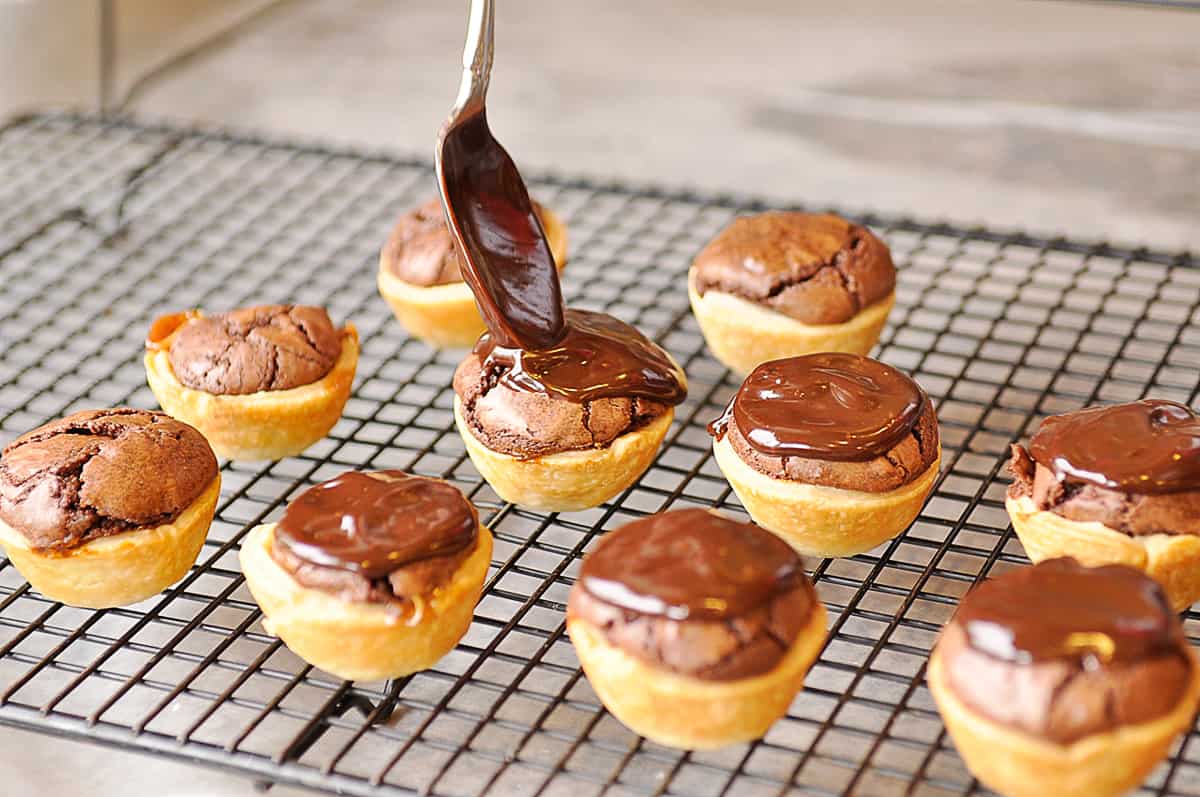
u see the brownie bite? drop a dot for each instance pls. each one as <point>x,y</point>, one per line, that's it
<point>1133,467</point>
<point>381,537</point>
<point>101,472</point>
<point>252,349</point>
<point>857,424</point>
<point>694,550</point>
<point>816,269</point>
<point>694,629</point>
<point>1060,651</point>
<point>527,424</point>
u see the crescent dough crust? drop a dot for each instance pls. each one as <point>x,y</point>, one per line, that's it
<point>1019,765</point>
<point>445,316</point>
<point>121,569</point>
<point>570,480</point>
<point>742,334</point>
<point>362,641</point>
<point>1173,560</point>
<point>689,713</point>
<point>824,521</point>
<point>268,425</point>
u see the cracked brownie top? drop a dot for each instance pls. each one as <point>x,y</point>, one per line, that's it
<point>695,593</point>
<point>817,269</point>
<point>269,347</point>
<point>101,472</point>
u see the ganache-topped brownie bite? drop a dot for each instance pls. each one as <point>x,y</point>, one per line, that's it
<point>834,452</point>
<point>567,427</point>
<point>1063,679</point>
<point>261,383</point>
<point>106,507</point>
<point>370,575</point>
<point>1115,485</point>
<point>559,409</point>
<point>420,275</point>
<point>695,630</point>
<point>780,284</point>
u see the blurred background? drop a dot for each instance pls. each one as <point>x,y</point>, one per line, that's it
<point>1057,117</point>
<point>1079,118</point>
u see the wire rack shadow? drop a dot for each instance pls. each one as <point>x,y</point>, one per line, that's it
<point>106,223</point>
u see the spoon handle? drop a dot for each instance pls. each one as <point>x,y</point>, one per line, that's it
<point>477,58</point>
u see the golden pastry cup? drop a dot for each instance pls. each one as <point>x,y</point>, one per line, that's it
<point>824,521</point>
<point>267,425</point>
<point>1017,764</point>
<point>569,480</point>
<point>445,316</point>
<point>689,713</point>
<point>362,641</point>
<point>1173,560</point>
<point>120,569</point>
<point>742,335</point>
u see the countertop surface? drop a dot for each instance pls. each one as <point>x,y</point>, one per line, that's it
<point>1055,117</point>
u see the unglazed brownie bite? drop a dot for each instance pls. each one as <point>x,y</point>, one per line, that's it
<point>834,452</point>
<point>570,426</point>
<point>259,382</point>
<point>1114,485</point>
<point>421,279</point>
<point>106,507</point>
<point>690,609</point>
<point>783,284</point>
<point>372,574</point>
<point>1063,679</point>
<point>269,347</point>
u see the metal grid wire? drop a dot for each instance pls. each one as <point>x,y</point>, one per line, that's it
<point>105,224</point>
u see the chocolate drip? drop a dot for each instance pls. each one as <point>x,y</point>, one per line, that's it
<point>1059,609</point>
<point>833,406</point>
<point>375,523</point>
<point>690,563</point>
<point>599,357</point>
<point>1149,446</point>
<point>507,261</point>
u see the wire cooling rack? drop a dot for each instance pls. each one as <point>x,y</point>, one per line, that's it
<point>105,224</point>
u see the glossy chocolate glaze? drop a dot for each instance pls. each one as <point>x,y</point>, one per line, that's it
<point>1149,446</point>
<point>507,261</point>
<point>599,357</point>
<point>690,563</point>
<point>831,406</point>
<point>374,523</point>
<point>1059,609</point>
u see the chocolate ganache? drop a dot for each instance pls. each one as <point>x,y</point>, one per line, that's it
<point>690,564</point>
<point>831,406</point>
<point>599,357</point>
<point>507,260</point>
<point>1108,614</point>
<point>377,522</point>
<point>1149,446</point>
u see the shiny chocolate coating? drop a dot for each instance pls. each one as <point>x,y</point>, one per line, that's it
<point>374,523</point>
<point>1149,446</point>
<point>690,563</point>
<point>599,357</point>
<point>832,406</point>
<point>1060,610</point>
<point>507,260</point>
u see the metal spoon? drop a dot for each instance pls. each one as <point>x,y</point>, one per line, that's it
<point>507,261</point>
